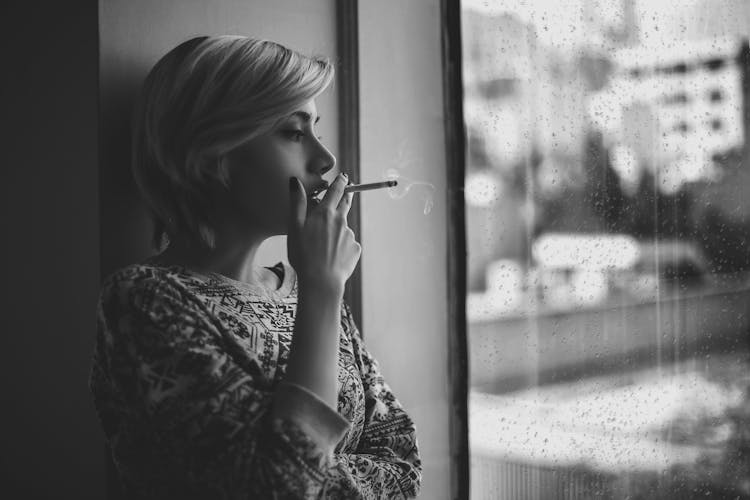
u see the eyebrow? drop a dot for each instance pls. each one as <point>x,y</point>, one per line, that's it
<point>305,116</point>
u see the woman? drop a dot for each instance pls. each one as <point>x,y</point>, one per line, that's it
<point>216,378</point>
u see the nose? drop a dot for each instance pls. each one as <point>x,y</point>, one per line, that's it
<point>327,168</point>
<point>324,160</point>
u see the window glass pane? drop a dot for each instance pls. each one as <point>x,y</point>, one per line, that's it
<point>608,215</point>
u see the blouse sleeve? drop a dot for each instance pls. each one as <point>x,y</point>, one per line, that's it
<point>386,463</point>
<point>188,417</point>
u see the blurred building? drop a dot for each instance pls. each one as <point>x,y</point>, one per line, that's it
<point>663,84</point>
<point>672,111</point>
<point>525,116</point>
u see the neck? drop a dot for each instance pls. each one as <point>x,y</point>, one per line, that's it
<point>236,260</point>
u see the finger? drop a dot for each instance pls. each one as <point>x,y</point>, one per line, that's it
<point>345,204</point>
<point>297,204</point>
<point>334,192</point>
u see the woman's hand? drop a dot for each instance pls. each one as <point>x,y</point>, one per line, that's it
<point>320,245</point>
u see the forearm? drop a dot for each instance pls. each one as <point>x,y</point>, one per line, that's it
<point>313,360</point>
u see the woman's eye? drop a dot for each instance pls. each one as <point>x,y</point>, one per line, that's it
<point>296,135</point>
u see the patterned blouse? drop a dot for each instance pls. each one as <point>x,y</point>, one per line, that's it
<point>186,369</point>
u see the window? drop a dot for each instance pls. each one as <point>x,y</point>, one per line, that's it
<point>608,264</point>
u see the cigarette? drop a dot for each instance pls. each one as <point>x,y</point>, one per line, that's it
<point>354,188</point>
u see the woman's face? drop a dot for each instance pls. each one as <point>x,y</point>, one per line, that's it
<point>259,171</point>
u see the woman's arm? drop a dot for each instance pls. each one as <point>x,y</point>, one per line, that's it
<point>386,463</point>
<point>183,417</point>
<point>313,357</point>
<point>323,252</point>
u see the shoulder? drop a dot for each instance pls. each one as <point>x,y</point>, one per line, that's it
<point>152,308</point>
<point>136,276</point>
<point>143,286</point>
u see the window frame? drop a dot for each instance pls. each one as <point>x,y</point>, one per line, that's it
<point>455,154</point>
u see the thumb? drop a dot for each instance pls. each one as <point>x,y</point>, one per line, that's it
<point>297,205</point>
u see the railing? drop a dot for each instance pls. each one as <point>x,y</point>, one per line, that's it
<point>519,352</point>
<point>493,479</point>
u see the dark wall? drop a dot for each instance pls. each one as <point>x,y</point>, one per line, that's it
<point>51,442</point>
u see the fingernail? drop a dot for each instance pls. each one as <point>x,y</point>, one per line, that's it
<point>346,177</point>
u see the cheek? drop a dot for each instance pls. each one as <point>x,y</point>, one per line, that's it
<point>261,199</point>
<point>259,177</point>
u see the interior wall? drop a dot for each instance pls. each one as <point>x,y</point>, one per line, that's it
<point>404,249</point>
<point>134,35</point>
<point>51,445</point>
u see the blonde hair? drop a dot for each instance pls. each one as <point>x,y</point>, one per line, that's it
<point>205,97</point>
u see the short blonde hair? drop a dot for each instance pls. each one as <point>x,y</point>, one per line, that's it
<point>204,98</point>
